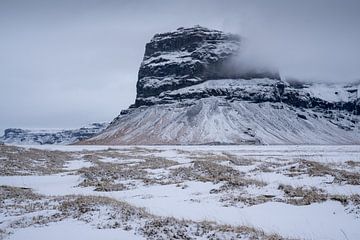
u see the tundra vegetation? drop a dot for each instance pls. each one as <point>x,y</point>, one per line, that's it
<point>237,181</point>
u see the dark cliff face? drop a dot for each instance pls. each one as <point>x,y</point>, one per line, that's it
<point>178,65</point>
<point>189,56</point>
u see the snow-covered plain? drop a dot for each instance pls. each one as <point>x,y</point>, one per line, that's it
<point>302,192</point>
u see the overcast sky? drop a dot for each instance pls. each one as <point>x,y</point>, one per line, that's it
<point>65,63</point>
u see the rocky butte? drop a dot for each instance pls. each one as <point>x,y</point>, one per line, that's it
<point>192,90</point>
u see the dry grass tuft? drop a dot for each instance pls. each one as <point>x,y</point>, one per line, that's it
<point>302,196</point>
<point>209,171</point>
<point>9,192</point>
<point>318,169</point>
<point>22,161</point>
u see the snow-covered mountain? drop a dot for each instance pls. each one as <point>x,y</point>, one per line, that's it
<point>50,136</point>
<point>192,89</point>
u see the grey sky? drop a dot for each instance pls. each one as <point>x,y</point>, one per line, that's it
<point>68,63</point>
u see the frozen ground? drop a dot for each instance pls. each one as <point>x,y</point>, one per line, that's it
<point>183,192</point>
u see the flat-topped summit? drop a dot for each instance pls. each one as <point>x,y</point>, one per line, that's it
<point>192,89</point>
<point>188,56</point>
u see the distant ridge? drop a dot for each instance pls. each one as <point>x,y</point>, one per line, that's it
<point>50,136</point>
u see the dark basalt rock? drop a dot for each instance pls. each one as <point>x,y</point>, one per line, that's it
<point>301,116</point>
<point>189,56</point>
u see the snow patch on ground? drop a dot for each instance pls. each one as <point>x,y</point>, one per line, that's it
<point>77,164</point>
<point>72,230</point>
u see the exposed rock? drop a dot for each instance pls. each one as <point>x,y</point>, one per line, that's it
<point>189,56</point>
<point>301,116</point>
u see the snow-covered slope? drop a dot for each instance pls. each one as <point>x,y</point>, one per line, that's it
<point>188,94</point>
<point>216,120</point>
<point>50,136</point>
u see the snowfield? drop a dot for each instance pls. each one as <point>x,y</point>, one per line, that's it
<point>182,192</point>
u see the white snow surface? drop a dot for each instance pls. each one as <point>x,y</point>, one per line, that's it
<point>77,164</point>
<point>333,92</point>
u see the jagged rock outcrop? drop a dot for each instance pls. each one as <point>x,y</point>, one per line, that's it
<point>191,89</point>
<point>46,136</point>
